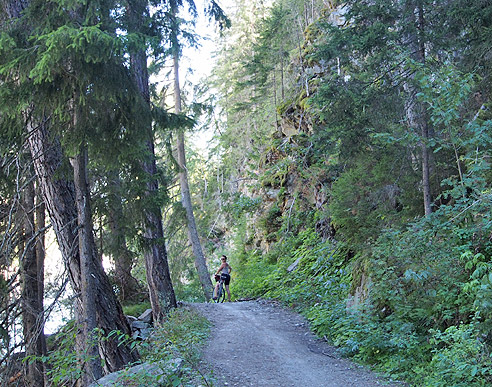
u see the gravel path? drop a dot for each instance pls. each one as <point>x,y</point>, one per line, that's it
<point>261,344</point>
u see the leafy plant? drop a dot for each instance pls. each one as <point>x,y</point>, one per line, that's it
<point>460,358</point>
<point>62,363</point>
<point>180,336</point>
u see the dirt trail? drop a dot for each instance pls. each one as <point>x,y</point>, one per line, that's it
<point>260,344</point>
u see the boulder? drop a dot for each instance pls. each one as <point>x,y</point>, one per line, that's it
<point>145,372</point>
<point>141,330</point>
<point>142,334</point>
<point>139,325</point>
<point>130,319</point>
<point>146,316</point>
<point>142,326</point>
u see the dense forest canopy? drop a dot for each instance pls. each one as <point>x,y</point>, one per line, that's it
<point>349,175</point>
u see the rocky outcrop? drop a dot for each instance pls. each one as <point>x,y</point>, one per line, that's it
<point>142,325</point>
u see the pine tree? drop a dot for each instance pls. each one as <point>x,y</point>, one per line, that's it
<point>66,55</point>
<point>175,48</point>
<point>161,291</point>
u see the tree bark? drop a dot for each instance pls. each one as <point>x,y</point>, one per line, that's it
<point>32,311</point>
<point>40,258</point>
<point>161,292</point>
<point>416,111</point>
<point>59,197</point>
<point>122,257</point>
<point>200,262</point>
<point>88,258</point>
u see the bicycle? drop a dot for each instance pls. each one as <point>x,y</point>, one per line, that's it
<point>220,296</point>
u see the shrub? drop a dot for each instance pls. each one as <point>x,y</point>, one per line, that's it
<point>460,358</point>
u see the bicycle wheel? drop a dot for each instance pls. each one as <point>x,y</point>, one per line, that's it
<point>220,294</point>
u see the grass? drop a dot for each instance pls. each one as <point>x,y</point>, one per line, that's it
<point>136,309</point>
<point>177,342</point>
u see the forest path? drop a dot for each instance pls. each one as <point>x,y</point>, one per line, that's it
<point>261,344</point>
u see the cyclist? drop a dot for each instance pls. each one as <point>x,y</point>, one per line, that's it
<point>225,274</point>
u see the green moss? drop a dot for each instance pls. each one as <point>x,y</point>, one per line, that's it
<point>136,309</point>
<point>284,106</point>
<point>272,221</point>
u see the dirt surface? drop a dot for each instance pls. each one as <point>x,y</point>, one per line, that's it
<point>261,344</point>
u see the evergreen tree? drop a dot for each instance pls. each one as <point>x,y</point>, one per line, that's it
<point>175,48</point>
<point>161,292</point>
<point>66,56</point>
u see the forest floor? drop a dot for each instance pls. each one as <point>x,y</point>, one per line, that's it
<point>262,344</point>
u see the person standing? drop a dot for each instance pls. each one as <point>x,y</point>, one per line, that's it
<point>225,274</point>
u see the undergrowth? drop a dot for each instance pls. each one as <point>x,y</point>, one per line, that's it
<point>180,336</point>
<point>405,327</point>
<point>170,355</point>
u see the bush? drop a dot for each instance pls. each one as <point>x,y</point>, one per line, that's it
<point>460,358</point>
<point>178,337</point>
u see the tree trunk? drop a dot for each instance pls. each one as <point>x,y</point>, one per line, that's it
<point>122,257</point>
<point>32,311</point>
<point>59,197</point>
<point>88,259</point>
<point>417,120</point>
<point>161,292</point>
<point>424,118</point>
<point>200,262</point>
<point>40,257</point>
<point>426,168</point>
<point>415,111</point>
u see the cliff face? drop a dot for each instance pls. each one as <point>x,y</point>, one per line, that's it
<point>292,179</point>
<point>291,186</point>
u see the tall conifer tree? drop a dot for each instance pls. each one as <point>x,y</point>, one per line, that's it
<point>175,48</point>
<point>161,291</point>
<point>61,58</point>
